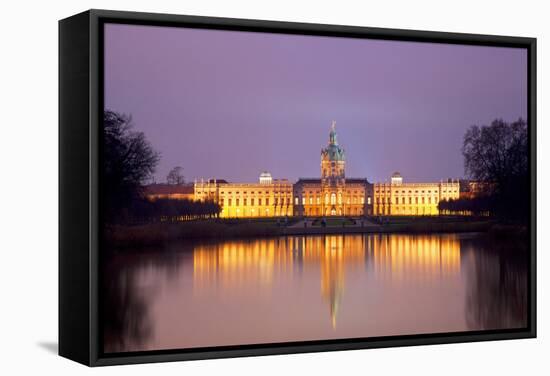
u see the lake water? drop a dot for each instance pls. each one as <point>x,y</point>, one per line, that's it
<point>301,288</point>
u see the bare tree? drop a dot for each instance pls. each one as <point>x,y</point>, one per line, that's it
<point>175,176</point>
<point>128,161</point>
<point>498,154</point>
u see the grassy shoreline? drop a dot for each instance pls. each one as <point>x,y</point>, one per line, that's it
<point>155,234</point>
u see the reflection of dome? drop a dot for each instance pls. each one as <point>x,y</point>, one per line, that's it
<point>334,306</point>
<point>265,178</point>
<point>332,274</point>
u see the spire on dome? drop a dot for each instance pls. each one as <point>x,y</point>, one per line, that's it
<point>333,151</point>
<point>332,137</point>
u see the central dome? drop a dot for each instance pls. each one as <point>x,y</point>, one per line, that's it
<point>333,152</point>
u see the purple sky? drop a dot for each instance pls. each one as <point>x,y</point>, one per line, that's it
<point>232,104</point>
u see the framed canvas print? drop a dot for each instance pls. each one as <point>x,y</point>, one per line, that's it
<point>238,187</point>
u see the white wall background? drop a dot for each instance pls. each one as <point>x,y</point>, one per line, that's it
<point>28,185</point>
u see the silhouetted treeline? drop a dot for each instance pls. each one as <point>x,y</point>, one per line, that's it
<point>498,155</point>
<point>169,210</point>
<point>128,161</point>
<point>126,308</point>
<point>477,206</point>
<point>497,288</point>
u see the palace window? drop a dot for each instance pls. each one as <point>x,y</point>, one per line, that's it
<point>276,201</point>
<point>318,200</point>
<point>311,200</point>
<point>368,200</point>
<point>423,200</point>
<point>333,198</point>
<point>229,202</point>
<point>244,202</point>
<point>296,201</point>
<point>237,202</point>
<point>259,202</point>
<point>416,200</point>
<point>267,201</point>
<point>403,201</point>
<point>362,200</point>
<point>252,202</point>
<point>339,198</point>
<point>326,198</point>
<point>410,200</point>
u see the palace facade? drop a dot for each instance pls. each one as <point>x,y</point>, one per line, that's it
<point>333,194</point>
<point>267,198</point>
<point>398,198</point>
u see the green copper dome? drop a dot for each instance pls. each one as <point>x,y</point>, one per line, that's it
<point>333,151</point>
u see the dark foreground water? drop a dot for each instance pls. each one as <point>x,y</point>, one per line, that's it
<point>303,288</point>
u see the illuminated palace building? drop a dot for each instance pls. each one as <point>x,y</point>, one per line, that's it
<point>333,194</point>
<point>267,198</point>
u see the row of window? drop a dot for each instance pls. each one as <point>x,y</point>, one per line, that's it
<point>255,212</point>
<point>317,211</point>
<point>259,192</point>
<point>416,191</point>
<point>332,200</point>
<point>397,200</point>
<point>407,211</point>
<point>314,193</point>
<point>252,202</point>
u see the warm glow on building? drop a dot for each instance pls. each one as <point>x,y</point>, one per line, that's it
<point>333,194</point>
<point>267,198</point>
<point>398,198</point>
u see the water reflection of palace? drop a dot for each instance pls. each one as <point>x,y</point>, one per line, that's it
<point>240,264</point>
<point>401,257</point>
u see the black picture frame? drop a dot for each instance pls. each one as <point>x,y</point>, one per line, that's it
<point>80,108</point>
